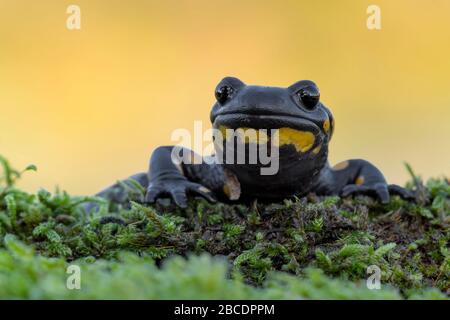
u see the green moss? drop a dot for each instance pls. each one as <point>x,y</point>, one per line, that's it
<point>313,247</point>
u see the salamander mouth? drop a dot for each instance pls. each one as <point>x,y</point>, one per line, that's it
<point>264,121</point>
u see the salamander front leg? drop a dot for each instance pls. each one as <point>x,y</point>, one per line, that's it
<point>361,177</point>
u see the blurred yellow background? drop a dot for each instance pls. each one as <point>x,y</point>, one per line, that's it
<point>88,106</point>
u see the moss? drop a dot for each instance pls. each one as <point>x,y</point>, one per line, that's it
<point>311,247</point>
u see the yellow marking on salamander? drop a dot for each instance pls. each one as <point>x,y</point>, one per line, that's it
<point>341,166</point>
<point>250,135</point>
<point>223,131</point>
<point>301,140</point>
<point>326,125</point>
<point>316,150</point>
<point>246,135</point>
<point>359,181</point>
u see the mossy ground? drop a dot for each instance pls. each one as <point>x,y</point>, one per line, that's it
<point>313,247</point>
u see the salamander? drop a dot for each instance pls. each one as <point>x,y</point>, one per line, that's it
<point>295,129</point>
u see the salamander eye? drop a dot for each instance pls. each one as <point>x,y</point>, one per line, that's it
<point>309,97</point>
<point>223,94</point>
